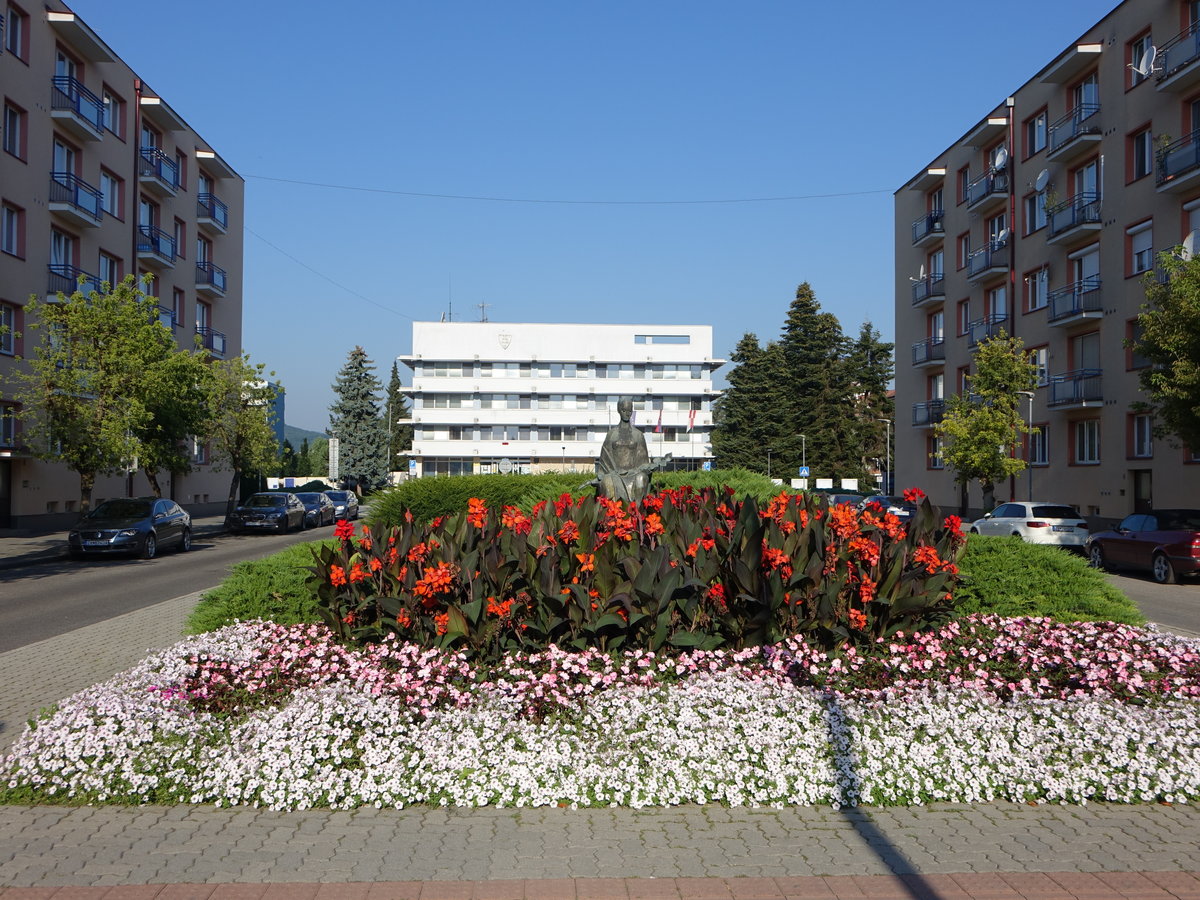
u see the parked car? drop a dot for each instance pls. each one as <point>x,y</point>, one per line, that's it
<point>833,498</point>
<point>136,525</point>
<point>276,510</point>
<point>1038,522</point>
<point>1163,542</point>
<point>318,509</point>
<point>345,504</point>
<point>897,506</point>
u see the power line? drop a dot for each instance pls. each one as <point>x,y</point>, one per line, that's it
<point>372,190</point>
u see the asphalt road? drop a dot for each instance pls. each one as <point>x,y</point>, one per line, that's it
<point>1176,607</point>
<point>48,599</point>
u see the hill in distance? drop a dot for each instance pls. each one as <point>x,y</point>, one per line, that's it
<point>295,436</point>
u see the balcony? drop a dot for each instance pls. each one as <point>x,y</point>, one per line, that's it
<point>1177,167</point>
<point>1076,390</point>
<point>928,289</point>
<point>211,214</point>
<point>1075,302</point>
<point>76,109</point>
<point>1073,217</point>
<point>210,279</point>
<point>1177,61</point>
<point>928,414</point>
<point>74,199</point>
<point>986,328</point>
<point>929,352</point>
<point>987,261</point>
<point>211,340</point>
<point>987,191</point>
<point>67,279</point>
<point>156,246</point>
<point>158,172</point>
<point>1075,133</point>
<point>928,229</point>
<point>166,317</point>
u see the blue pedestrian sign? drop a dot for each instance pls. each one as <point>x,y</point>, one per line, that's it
<point>804,473</point>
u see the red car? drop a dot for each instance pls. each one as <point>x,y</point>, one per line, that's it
<point>1164,542</point>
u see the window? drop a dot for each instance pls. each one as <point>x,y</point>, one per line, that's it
<point>177,305</point>
<point>962,380</point>
<point>203,315</point>
<point>1140,240</point>
<point>110,269</point>
<point>8,324</point>
<point>1037,289</point>
<point>1087,442</point>
<point>933,200</point>
<point>199,452</point>
<point>1039,357</point>
<point>997,303</point>
<point>964,249</point>
<point>937,325</point>
<point>996,228</point>
<point>180,233</point>
<point>181,169</point>
<point>935,452</point>
<point>1035,212</point>
<point>151,139</point>
<point>8,425</point>
<point>1039,447</point>
<point>1138,51</point>
<point>964,317</point>
<point>147,213</point>
<point>1141,438</point>
<point>662,339</point>
<point>964,182</point>
<point>1139,155</point>
<point>14,131</point>
<point>1035,133</point>
<point>16,33</point>
<point>62,249</point>
<point>935,387</point>
<point>113,113</point>
<point>111,194</point>
<point>1084,351</point>
<point>12,230</point>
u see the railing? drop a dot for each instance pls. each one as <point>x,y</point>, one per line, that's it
<point>1074,299</point>
<point>66,279</point>
<point>930,223</point>
<point>155,240</point>
<point>984,185</point>
<point>166,316</point>
<point>209,207</point>
<point>155,163</point>
<point>928,413</point>
<point>986,258</point>
<point>1178,52</point>
<point>932,285</point>
<point>928,350</point>
<point>1075,387</point>
<point>1177,158</point>
<point>211,340</point>
<point>69,94</point>
<point>210,273</point>
<point>1082,209</point>
<point>986,328</point>
<point>65,187</point>
<point>1073,124</point>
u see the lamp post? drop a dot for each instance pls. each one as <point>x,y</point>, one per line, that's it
<point>887,472</point>
<point>564,466</point>
<point>768,462</point>
<point>803,450</point>
<point>1028,395</point>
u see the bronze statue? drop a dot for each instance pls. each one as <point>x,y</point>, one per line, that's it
<point>624,467</point>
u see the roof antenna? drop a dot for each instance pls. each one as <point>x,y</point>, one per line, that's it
<point>483,311</point>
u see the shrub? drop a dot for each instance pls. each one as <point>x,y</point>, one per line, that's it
<point>1008,577</point>
<point>680,570</point>
<point>428,498</point>
<point>743,482</point>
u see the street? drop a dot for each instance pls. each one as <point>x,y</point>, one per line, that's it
<point>1176,607</point>
<point>48,599</point>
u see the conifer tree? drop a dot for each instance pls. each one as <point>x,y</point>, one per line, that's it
<point>746,419</point>
<point>357,420</point>
<point>400,436</point>
<point>871,365</point>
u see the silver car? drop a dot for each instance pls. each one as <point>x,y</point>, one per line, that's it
<point>1038,522</point>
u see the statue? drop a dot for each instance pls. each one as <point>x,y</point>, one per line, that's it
<point>623,470</point>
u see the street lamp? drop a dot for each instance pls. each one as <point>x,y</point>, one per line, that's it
<point>1028,395</point>
<point>803,450</point>
<point>887,472</point>
<point>768,462</point>
<point>564,466</point>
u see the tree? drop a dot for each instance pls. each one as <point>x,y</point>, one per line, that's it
<point>399,436</point>
<point>746,416</point>
<point>981,430</point>
<point>356,419</point>
<point>178,408</point>
<point>240,431</point>
<point>1168,336</point>
<point>287,460</point>
<point>318,458</point>
<point>872,366</point>
<point>86,397</point>
<point>303,465</point>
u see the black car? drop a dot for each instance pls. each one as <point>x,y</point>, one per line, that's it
<point>897,506</point>
<point>134,525</point>
<point>318,509</point>
<point>271,510</point>
<point>345,504</point>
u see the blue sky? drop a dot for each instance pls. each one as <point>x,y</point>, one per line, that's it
<point>599,125</point>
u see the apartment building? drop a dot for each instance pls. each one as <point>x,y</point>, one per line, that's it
<point>1043,220</point>
<point>101,178</point>
<point>539,397</point>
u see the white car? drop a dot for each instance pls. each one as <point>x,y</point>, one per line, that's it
<point>1037,522</point>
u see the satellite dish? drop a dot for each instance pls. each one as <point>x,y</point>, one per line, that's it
<point>922,271</point>
<point>1002,237</point>
<point>1146,67</point>
<point>1189,246</point>
<point>1001,158</point>
<point>1043,179</point>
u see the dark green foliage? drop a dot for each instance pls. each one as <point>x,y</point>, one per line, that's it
<point>1008,577</point>
<point>357,419</point>
<point>743,482</point>
<point>871,365</point>
<point>1168,337</point>
<point>427,498</point>
<point>747,415</point>
<point>399,436</point>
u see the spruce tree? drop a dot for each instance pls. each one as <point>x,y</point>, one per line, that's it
<point>303,465</point>
<point>400,435</point>
<point>357,420</point>
<point>746,419</point>
<point>872,366</point>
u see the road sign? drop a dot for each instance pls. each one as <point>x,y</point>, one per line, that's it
<point>804,472</point>
<point>505,466</point>
<point>706,465</point>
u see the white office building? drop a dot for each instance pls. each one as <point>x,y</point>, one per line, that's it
<point>536,397</point>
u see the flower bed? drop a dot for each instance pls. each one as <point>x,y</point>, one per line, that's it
<point>287,717</point>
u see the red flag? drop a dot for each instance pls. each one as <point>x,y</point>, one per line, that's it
<point>658,427</point>
<point>691,420</point>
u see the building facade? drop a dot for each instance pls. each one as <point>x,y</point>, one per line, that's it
<point>1043,221</point>
<point>99,179</point>
<point>537,397</point>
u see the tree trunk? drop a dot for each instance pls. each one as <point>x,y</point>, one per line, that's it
<point>989,496</point>
<point>87,481</point>
<point>231,503</point>
<point>152,477</point>
<point>962,499</point>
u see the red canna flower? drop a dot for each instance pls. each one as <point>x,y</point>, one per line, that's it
<point>337,576</point>
<point>357,573</point>
<point>476,512</point>
<point>913,495</point>
<point>344,530</point>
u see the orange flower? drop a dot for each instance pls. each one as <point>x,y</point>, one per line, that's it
<point>587,562</point>
<point>357,573</point>
<point>866,550</point>
<point>476,512</point>
<point>513,518</point>
<point>438,580</point>
<point>337,576</point>
<point>442,621</point>
<point>866,590</point>
<point>928,557</point>
<point>913,495</point>
<point>376,564</point>
<point>569,533</point>
<point>843,519</point>
<point>498,609</point>
<point>343,530</point>
<point>403,619</point>
<point>858,620</point>
<point>654,524</point>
